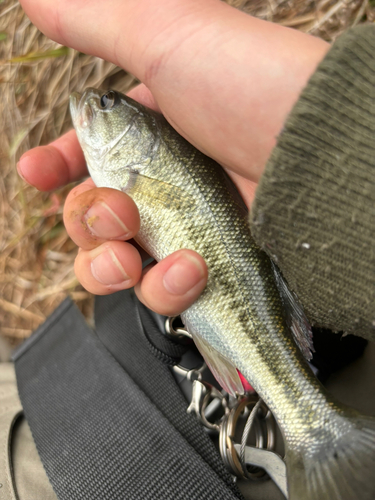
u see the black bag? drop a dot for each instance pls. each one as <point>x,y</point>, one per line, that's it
<point>107,416</point>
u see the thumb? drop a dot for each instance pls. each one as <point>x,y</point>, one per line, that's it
<point>120,31</point>
<point>225,80</point>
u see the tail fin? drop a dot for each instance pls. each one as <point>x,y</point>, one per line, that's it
<point>343,469</point>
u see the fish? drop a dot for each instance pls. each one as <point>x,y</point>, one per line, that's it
<point>239,324</point>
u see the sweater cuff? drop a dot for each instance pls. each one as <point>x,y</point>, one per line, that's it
<point>314,210</point>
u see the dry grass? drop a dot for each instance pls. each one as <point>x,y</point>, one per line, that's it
<point>36,255</point>
<point>36,78</point>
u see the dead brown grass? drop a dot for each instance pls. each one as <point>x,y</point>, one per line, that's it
<point>36,78</point>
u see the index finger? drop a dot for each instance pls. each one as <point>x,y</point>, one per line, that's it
<point>52,166</point>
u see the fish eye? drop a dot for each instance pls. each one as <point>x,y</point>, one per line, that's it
<point>108,100</point>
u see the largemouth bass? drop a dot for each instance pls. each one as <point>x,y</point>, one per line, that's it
<point>186,200</point>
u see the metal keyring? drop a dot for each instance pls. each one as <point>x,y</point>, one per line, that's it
<point>213,394</point>
<point>175,332</point>
<point>227,434</point>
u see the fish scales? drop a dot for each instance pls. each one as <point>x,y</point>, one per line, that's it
<point>241,296</point>
<point>186,200</point>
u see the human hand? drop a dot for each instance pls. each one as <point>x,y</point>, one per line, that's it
<point>224,80</point>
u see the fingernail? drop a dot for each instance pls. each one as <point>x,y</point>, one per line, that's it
<point>19,170</point>
<point>183,275</point>
<point>102,221</point>
<point>106,268</point>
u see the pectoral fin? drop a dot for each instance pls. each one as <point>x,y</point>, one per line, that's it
<point>222,369</point>
<point>159,192</point>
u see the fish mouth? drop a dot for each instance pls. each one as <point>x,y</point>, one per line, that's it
<point>82,109</point>
<point>76,99</point>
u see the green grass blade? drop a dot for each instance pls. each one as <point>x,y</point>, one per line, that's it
<point>38,56</point>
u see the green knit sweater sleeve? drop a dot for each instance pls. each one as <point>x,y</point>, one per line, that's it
<point>314,211</point>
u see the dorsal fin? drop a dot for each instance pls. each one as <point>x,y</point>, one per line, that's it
<point>295,316</point>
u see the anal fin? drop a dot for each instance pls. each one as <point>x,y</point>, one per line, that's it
<point>222,369</point>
